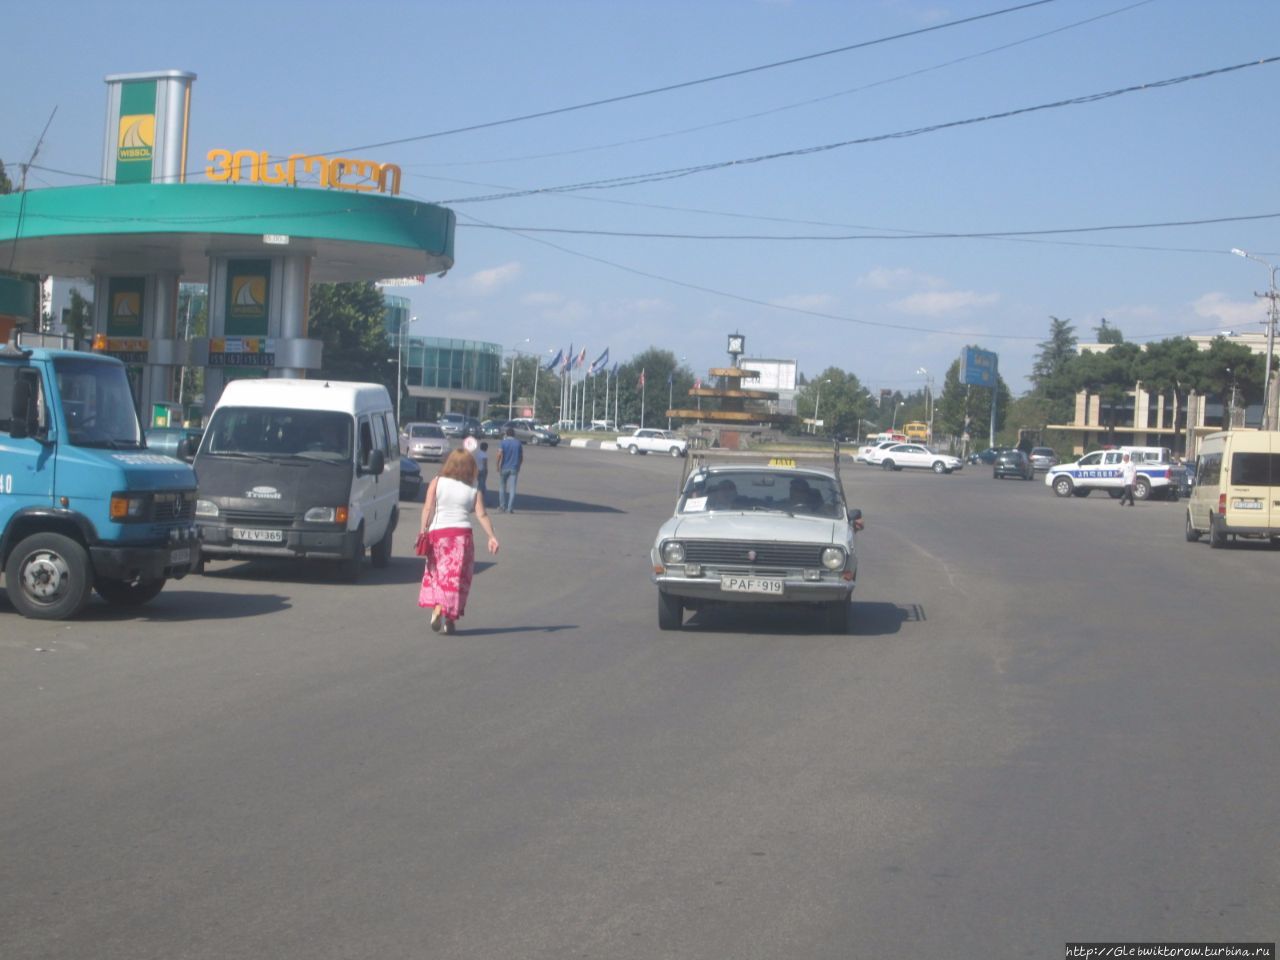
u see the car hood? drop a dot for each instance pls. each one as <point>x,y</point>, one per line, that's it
<point>757,525</point>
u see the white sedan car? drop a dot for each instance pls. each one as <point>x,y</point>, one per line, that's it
<point>870,452</point>
<point>917,455</point>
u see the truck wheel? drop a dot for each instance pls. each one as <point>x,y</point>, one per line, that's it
<point>124,593</point>
<point>1192,533</point>
<point>670,611</point>
<point>48,577</point>
<point>1062,486</point>
<point>633,449</point>
<point>1142,489</point>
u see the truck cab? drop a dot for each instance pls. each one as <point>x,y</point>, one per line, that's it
<point>84,505</point>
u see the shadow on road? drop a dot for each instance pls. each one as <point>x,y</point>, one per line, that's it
<point>532,503</point>
<point>176,605</point>
<point>870,619</point>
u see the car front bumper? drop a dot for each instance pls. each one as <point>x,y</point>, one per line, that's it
<point>795,589</point>
<point>216,542</point>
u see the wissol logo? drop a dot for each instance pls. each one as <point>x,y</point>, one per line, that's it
<point>248,296</point>
<point>137,137</point>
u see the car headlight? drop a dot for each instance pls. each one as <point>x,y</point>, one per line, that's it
<point>326,515</point>
<point>833,558</point>
<point>206,508</point>
<point>673,551</point>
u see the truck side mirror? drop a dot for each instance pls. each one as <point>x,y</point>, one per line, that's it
<point>377,463</point>
<point>23,419</point>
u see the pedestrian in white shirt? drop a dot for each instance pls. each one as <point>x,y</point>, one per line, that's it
<point>1128,476</point>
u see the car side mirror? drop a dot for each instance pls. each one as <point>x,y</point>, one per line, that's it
<point>377,463</point>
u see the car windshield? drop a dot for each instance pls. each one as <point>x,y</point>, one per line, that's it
<point>322,435</point>
<point>777,491</point>
<point>425,430</point>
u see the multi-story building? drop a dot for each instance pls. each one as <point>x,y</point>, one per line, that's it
<point>1146,418</point>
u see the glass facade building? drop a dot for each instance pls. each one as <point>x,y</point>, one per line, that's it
<point>445,375</point>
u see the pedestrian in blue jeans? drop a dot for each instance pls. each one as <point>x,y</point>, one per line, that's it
<point>510,458</point>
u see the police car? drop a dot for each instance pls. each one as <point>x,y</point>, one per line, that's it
<point>1100,470</point>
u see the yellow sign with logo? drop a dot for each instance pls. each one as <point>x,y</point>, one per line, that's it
<point>137,137</point>
<point>340,173</point>
<point>782,461</point>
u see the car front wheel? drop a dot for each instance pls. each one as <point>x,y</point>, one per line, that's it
<point>1062,486</point>
<point>670,611</point>
<point>939,467</point>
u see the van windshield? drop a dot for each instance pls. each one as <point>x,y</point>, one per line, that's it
<point>323,435</point>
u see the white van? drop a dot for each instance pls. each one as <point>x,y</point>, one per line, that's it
<point>299,468</point>
<point>1237,487</point>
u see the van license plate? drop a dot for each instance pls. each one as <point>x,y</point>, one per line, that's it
<point>1246,504</point>
<point>257,536</point>
<point>751,585</point>
<point>182,555</point>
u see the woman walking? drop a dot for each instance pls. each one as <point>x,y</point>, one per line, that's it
<point>451,497</point>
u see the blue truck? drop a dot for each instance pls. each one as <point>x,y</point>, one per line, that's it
<point>84,505</point>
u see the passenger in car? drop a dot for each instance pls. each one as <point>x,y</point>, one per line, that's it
<point>722,495</point>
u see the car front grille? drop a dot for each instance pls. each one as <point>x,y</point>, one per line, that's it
<point>172,507</point>
<point>259,517</point>
<point>736,553</point>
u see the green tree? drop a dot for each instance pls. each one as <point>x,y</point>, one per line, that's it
<point>6,185</point>
<point>840,400</point>
<point>347,319</point>
<point>79,315</point>
<point>1110,375</point>
<point>1108,333</point>
<point>657,364</point>
<point>1171,367</point>
<point>1050,383</point>
<point>961,403</point>
<point>1227,368</point>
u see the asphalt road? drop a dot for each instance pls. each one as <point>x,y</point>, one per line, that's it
<point>1054,721</point>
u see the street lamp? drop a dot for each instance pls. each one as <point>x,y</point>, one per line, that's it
<point>928,397</point>
<point>511,392</point>
<point>816,403</point>
<point>1271,334</point>
<point>894,428</point>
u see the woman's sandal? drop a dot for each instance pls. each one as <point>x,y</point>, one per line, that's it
<point>436,616</point>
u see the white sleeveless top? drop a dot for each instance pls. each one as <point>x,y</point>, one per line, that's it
<point>454,502</point>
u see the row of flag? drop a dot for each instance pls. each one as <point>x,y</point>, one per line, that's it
<point>566,361</point>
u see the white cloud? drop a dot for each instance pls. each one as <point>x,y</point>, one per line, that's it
<point>806,301</point>
<point>484,282</point>
<point>896,278</point>
<point>542,299</point>
<point>1231,314</point>
<point>940,303</point>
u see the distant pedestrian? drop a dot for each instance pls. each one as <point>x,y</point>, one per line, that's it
<point>482,471</point>
<point>510,459</point>
<point>446,580</point>
<point>1128,476</point>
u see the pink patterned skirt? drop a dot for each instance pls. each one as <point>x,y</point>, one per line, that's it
<point>446,581</point>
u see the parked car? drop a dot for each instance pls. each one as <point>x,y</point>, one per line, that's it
<point>1042,458</point>
<point>915,455</point>
<point>526,431</point>
<point>985,456</point>
<point>1012,463</point>
<point>757,534</point>
<point>423,441</point>
<point>490,429</point>
<point>410,479</point>
<point>653,441</point>
<point>456,426</point>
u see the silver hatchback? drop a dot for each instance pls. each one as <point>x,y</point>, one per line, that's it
<point>1042,458</point>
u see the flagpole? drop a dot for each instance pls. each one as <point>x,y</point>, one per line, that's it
<point>642,386</point>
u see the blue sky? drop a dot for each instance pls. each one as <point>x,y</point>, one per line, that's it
<point>334,78</point>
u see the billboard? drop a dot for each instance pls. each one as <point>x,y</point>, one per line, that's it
<point>978,367</point>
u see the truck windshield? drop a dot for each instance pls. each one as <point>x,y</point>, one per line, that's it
<point>323,435</point>
<point>97,404</point>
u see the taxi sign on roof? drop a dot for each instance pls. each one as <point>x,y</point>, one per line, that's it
<point>782,461</point>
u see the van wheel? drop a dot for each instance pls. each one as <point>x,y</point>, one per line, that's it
<point>123,593</point>
<point>1192,533</point>
<point>1063,486</point>
<point>1217,539</point>
<point>380,552</point>
<point>48,577</point>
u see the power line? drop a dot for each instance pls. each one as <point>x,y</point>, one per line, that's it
<point>686,84</point>
<point>785,107</point>
<point>678,172</point>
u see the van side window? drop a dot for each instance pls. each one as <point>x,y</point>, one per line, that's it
<point>1209,470</point>
<point>1255,469</point>
<point>393,439</point>
<point>380,434</point>
<point>366,441</point>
